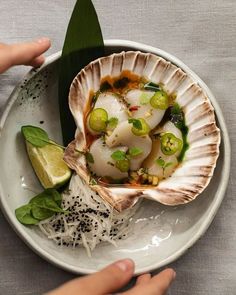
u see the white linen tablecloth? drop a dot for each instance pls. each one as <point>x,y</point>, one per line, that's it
<point>200,33</point>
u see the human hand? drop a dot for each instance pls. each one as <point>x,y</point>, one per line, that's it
<point>114,277</point>
<point>29,54</point>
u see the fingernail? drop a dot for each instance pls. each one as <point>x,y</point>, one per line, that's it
<point>43,40</point>
<point>125,265</point>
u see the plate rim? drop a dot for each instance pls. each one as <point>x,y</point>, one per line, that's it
<point>18,228</point>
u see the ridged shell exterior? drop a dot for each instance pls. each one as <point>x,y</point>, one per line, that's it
<point>195,172</point>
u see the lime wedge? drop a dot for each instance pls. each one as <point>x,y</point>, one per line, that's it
<point>49,165</point>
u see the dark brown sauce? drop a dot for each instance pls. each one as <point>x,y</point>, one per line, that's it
<point>120,84</point>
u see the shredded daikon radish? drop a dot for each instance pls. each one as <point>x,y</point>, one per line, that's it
<point>90,220</point>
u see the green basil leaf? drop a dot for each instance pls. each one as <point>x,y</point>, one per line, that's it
<point>49,199</point>
<point>136,123</point>
<point>35,135</point>
<point>151,86</point>
<point>160,162</point>
<point>89,157</point>
<point>83,44</point>
<point>40,207</point>
<point>49,205</point>
<point>55,195</point>
<point>118,155</point>
<point>135,151</point>
<point>49,193</point>
<point>24,215</point>
<point>112,123</point>
<point>40,213</point>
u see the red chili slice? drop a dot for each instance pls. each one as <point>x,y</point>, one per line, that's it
<point>134,108</point>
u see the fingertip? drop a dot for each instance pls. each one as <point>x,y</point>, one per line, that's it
<point>44,40</point>
<point>170,273</point>
<point>121,271</point>
<point>116,276</point>
<point>43,44</point>
<point>126,265</point>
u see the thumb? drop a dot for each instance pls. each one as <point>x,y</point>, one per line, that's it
<point>108,280</point>
<point>24,53</point>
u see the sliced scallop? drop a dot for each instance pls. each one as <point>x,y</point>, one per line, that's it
<point>103,164</point>
<point>170,161</point>
<point>140,99</point>
<point>123,136</point>
<point>113,105</point>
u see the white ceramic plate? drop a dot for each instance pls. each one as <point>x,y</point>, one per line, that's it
<point>161,233</point>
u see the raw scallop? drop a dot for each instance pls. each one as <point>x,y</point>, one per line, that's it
<point>152,116</point>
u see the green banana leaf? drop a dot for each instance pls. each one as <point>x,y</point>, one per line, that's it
<point>83,43</point>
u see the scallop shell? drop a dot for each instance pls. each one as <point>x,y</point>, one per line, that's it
<point>196,170</point>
